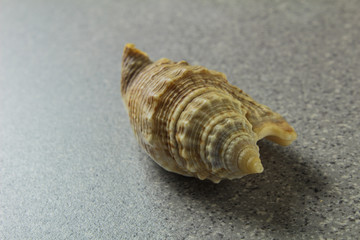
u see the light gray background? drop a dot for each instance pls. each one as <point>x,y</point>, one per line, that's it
<point>70,167</point>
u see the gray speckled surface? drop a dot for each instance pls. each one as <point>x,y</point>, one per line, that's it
<point>70,167</point>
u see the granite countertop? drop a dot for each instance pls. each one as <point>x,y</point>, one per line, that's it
<point>70,167</point>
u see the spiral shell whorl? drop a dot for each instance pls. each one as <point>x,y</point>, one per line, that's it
<point>211,133</point>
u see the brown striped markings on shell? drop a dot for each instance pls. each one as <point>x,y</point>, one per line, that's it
<point>191,121</point>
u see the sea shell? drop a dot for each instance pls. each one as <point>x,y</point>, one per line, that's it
<point>191,121</point>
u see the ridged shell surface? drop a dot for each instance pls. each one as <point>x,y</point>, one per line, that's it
<point>191,121</point>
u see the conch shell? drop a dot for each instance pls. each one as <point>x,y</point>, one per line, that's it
<point>191,121</point>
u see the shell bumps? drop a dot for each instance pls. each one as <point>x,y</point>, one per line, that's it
<point>191,121</point>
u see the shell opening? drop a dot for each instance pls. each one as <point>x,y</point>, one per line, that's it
<point>279,132</point>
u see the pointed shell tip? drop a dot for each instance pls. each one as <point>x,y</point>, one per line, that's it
<point>255,166</point>
<point>131,49</point>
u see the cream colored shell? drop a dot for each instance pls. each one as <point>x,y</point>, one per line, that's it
<point>191,121</point>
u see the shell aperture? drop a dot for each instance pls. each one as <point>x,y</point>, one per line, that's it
<point>191,121</point>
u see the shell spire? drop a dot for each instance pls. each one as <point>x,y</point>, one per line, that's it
<point>191,121</point>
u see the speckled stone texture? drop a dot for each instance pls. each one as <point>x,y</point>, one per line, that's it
<point>70,167</point>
